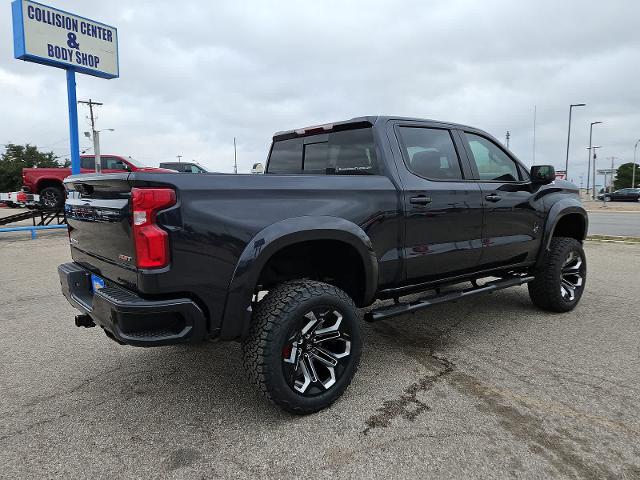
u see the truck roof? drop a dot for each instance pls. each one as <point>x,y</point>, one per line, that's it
<point>364,121</point>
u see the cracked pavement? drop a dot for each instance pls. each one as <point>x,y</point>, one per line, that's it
<point>487,387</point>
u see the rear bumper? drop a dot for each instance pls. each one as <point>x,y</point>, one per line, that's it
<point>129,318</point>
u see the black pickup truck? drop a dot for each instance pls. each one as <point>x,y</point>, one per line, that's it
<point>373,208</point>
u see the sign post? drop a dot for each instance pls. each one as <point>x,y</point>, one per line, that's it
<point>74,142</point>
<point>56,38</point>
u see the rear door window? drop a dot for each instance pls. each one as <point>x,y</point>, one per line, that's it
<point>88,163</point>
<point>430,153</point>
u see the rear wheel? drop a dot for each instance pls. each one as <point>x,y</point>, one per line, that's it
<point>560,280</point>
<point>304,345</point>
<point>52,197</point>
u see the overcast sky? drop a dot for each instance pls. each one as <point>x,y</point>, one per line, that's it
<point>196,74</point>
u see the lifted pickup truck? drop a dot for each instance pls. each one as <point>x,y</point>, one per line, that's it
<point>346,213</point>
<point>47,182</point>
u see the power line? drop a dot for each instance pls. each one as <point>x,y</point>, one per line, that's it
<point>91,104</point>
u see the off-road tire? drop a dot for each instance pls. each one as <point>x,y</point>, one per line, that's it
<point>545,290</point>
<point>274,316</point>
<point>52,197</point>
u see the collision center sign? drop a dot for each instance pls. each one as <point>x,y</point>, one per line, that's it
<point>54,37</point>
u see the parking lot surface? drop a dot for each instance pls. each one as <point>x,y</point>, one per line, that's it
<point>487,387</point>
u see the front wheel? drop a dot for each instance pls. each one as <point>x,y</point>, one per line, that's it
<point>559,282</point>
<point>304,345</point>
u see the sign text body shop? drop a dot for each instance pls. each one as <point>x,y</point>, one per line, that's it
<point>54,37</point>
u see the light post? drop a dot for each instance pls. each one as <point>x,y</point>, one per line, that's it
<point>566,164</point>
<point>96,147</point>
<point>593,149</point>
<point>589,152</point>
<point>633,169</point>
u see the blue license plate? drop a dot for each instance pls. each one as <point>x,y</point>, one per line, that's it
<point>96,282</point>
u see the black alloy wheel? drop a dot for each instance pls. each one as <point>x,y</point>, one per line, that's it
<point>304,345</point>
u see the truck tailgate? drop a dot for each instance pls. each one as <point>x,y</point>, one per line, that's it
<point>100,230</point>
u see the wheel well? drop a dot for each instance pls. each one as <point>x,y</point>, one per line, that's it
<point>42,184</point>
<point>330,261</point>
<point>571,225</point>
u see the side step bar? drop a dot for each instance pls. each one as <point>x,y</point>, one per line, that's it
<point>403,308</point>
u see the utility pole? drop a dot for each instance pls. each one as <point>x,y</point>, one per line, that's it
<point>589,154</point>
<point>592,150</point>
<point>507,138</point>
<point>235,157</point>
<point>611,180</point>
<point>94,133</point>
<point>633,169</point>
<point>179,157</point>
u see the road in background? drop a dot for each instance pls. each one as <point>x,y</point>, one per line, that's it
<point>488,387</point>
<point>610,223</point>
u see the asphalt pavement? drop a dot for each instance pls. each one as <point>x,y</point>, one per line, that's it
<point>488,387</point>
<point>614,223</point>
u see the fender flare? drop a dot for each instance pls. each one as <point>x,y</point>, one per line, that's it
<point>560,209</point>
<point>47,182</point>
<point>237,312</point>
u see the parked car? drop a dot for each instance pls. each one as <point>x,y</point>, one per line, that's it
<point>184,167</point>
<point>345,214</point>
<point>47,182</point>
<point>622,195</point>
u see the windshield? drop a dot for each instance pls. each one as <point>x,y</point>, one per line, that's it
<point>135,162</point>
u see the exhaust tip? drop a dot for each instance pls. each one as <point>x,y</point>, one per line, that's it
<point>84,321</point>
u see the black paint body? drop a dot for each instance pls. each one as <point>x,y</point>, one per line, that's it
<point>224,228</point>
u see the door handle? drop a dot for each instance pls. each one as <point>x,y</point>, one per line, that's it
<point>420,200</point>
<point>493,197</point>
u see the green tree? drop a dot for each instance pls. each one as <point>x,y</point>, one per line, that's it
<point>624,174</point>
<point>17,157</point>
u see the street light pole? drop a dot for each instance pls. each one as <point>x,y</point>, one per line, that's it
<point>593,149</point>
<point>589,159</point>
<point>566,164</point>
<point>96,148</point>
<point>633,169</point>
<point>96,151</point>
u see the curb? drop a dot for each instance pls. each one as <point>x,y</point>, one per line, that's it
<point>606,210</point>
<point>614,239</point>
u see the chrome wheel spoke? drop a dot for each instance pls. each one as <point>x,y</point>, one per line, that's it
<point>328,383</point>
<point>313,322</point>
<point>323,337</point>
<point>324,356</point>
<point>571,276</point>
<point>333,328</point>
<point>310,367</point>
<point>301,385</point>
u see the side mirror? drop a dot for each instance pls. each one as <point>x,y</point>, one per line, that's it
<point>257,168</point>
<point>542,174</point>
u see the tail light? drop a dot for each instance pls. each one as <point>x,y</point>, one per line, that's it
<point>151,242</point>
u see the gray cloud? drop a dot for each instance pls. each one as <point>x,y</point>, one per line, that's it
<point>193,75</point>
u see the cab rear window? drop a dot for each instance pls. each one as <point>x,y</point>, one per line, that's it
<point>348,152</point>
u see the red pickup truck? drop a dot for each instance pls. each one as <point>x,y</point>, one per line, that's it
<point>47,182</point>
